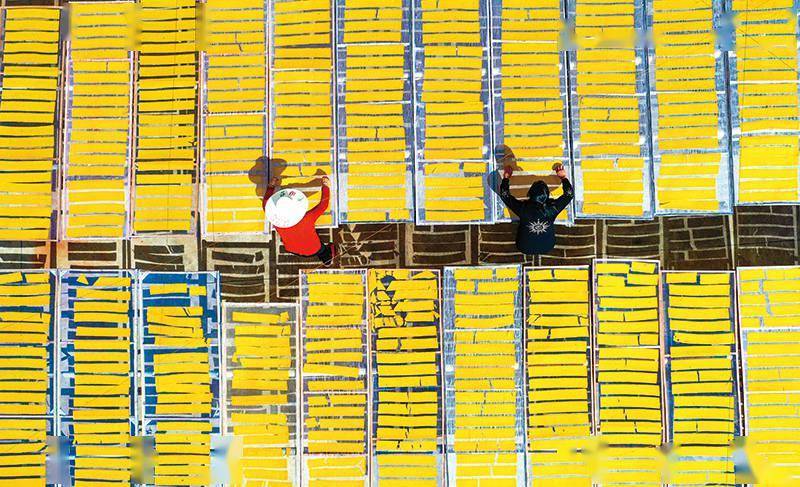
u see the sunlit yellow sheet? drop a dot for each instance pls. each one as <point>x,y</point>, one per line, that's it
<point>532,92</point>
<point>612,167</point>
<point>164,175</point>
<point>454,152</point>
<point>261,400</point>
<point>769,297</point>
<point>628,371</point>
<point>374,132</point>
<point>235,121</point>
<point>25,336</point>
<point>26,364</point>
<point>27,439</point>
<point>404,326</point>
<point>334,372</point>
<point>103,368</point>
<point>302,97</point>
<point>766,84</point>
<point>701,374</point>
<point>772,392</point>
<point>98,158</point>
<point>30,74</point>
<point>559,419</point>
<point>485,383</point>
<point>182,453</point>
<point>688,122</point>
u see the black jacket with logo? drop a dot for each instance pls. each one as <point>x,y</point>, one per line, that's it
<point>535,234</point>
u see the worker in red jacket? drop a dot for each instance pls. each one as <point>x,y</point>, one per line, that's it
<point>302,238</point>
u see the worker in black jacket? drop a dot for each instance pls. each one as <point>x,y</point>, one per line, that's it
<point>535,234</point>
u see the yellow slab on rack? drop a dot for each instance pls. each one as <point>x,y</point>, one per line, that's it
<point>30,75</point>
<point>606,79</point>
<point>628,358</point>
<point>102,371</point>
<point>766,58</point>
<point>688,94</point>
<point>183,453</point>
<point>235,118</point>
<point>299,155</point>
<point>183,383</point>
<point>25,335</point>
<point>772,392</point>
<point>769,297</point>
<point>25,449</point>
<point>701,375</point>
<point>404,325</point>
<point>486,378</point>
<point>455,121</point>
<point>101,64</point>
<point>334,416</point>
<point>532,94</point>
<point>166,104</point>
<point>375,145</point>
<point>261,410</point>
<point>558,346</point>
<point>231,203</point>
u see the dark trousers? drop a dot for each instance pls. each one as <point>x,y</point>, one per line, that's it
<point>324,254</point>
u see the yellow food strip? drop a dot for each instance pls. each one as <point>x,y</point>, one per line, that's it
<point>235,117</point>
<point>559,418</point>
<point>183,453</point>
<point>688,120</point>
<point>302,137</point>
<point>375,83</point>
<point>182,383</point>
<point>24,444</point>
<point>26,306</point>
<point>772,394</point>
<point>768,116</point>
<point>532,99</point>
<point>261,409</point>
<point>484,379</point>
<point>30,74</point>
<point>456,121</point>
<point>101,372</point>
<point>628,358</point>
<point>404,325</point>
<point>610,145</point>
<point>164,200</point>
<point>334,387</point>
<point>180,340</point>
<point>98,143</point>
<point>769,297</point>
<point>704,413</point>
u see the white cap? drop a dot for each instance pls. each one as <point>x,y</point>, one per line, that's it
<point>286,208</point>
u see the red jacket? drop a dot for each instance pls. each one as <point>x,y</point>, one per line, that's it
<point>302,239</point>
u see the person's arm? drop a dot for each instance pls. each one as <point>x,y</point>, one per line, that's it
<point>270,191</point>
<point>510,201</point>
<point>320,208</point>
<point>568,192</point>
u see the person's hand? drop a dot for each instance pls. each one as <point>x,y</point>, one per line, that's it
<point>275,182</point>
<point>326,181</point>
<point>560,171</point>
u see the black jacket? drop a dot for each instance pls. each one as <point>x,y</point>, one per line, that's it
<point>536,234</point>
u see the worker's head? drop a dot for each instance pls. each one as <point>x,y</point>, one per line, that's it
<point>539,192</point>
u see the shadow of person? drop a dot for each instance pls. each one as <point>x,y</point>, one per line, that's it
<point>264,169</point>
<point>312,182</point>
<point>260,174</point>
<point>503,156</point>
